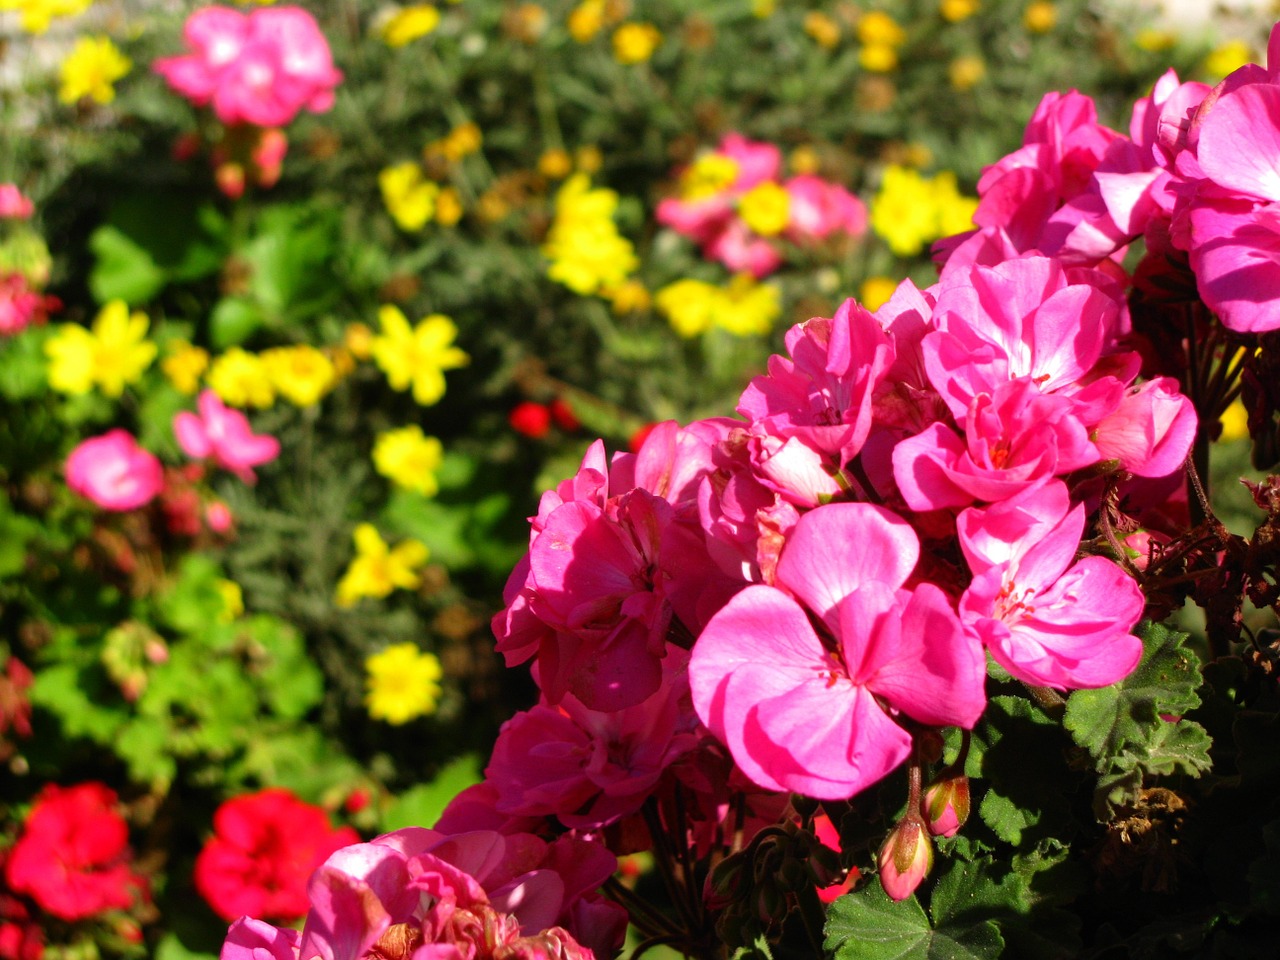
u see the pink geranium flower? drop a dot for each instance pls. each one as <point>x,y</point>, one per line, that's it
<point>14,205</point>
<point>223,434</point>
<point>815,714</point>
<point>114,472</point>
<point>1047,618</point>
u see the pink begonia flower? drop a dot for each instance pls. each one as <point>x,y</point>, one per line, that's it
<point>260,69</point>
<point>14,205</point>
<point>822,394</point>
<point>1023,318</point>
<point>820,209</point>
<point>1046,618</point>
<point>1152,430</point>
<point>800,715</point>
<point>224,434</point>
<point>589,768</point>
<point>114,472</point>
<point>1014,439</point>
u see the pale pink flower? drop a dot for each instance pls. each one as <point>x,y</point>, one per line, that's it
<point>819,209</point>
<point>1152,430</point>
<point>114,472</point>
<point>13,204</point>
<point>1045,617</point>
<point>743,251</point>
<point>817,716</point>
<point>224,434</point>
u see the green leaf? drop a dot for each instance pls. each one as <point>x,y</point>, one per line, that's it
<point>171,948</point>
<point>421,806</point>
<point>74,693</point>
<point>124,269</point>
<point>23,371</point>
<point>759,950</point>
<point>143,746</point>
<point>867,925</point>
<point>1123,726</point>
<point>234,320</point>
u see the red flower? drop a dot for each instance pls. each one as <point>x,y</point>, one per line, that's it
<point>531,419</point>
<point>265,847</point>
<point>72,857</point>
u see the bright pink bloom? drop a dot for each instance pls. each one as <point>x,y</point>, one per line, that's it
<point>819,209</point>
<point>250,939</point>
<point>1046,618</point>
<point>589,768</point>
<point>1013,440</point>
<point>260,69</point>
<point>814,716</point>
<point>73,855</point>
<point>264,847</point>
<point>13,204</point>
<point>743,251</point>
<point>22,306</point>
<point>1023,318</point>
<point>1152,430</point>
<point>114,472</point>
<point>224,434</point>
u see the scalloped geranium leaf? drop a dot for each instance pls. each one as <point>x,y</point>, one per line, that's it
<point>867,925</point>
<point>1136,726</point>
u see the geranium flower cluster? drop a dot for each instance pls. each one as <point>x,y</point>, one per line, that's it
<point>817,585</point>
<point>732,202</point>
<point>1195,178</point>
<point>420,893</point>
<point>24,266</point>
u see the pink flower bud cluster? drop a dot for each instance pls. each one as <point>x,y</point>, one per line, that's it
<point>259,68</point>
<point>817,210</point>
<point>1195,178</point>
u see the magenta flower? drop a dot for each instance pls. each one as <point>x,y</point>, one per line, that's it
<point>816,714</point>
<point>223,434</point>
<point>260,69</point>
<point>1046,618</point>
<point>114,472</point>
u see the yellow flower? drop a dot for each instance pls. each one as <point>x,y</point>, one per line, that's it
<point>955,211</point>
<point>766,208</point>
<point>232,600</point>
<point>112,354</point>
<point>462,140</point>
<point>586,20</point>
<point>409,23</point>
<point>241,379</point>
<point>629,297</point>
<point>555,164</point>
<point>954,11</point>
<point>526,22</point>
<point>744,308</point>
<point>965,72</point>
<point>91,69</point>
<point>635,42</point>
<point>824,31</point>
<point>1227,58</point>
<point>410,197</point>
<point>749,308</point>
<point>1153,40</point>
<point>803,160</point>
<point>358,340</point>
<point>876,291</point>
<point>401,683</point>
<point>763,8</point>
<point>878,58</point>
<point>448,207</point>
<point>879,29</point>
<point>376,570</point>
<point>301,374</point>
<point>416,357</point>
<point>588,159</point>
<point>184,366</point>
<point>1040,16</point>
<point>36,15</point>
<point>708,175</point>
<point>585,249</point>
<point>409,459</point>
<point>902,212</point>
<point>1235,422</point>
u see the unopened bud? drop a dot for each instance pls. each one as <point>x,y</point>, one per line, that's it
<point>946,806</point>
<point>905,858</point>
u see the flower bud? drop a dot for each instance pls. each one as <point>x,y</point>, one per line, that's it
<point>905,858</point>
<point>946,806</point>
